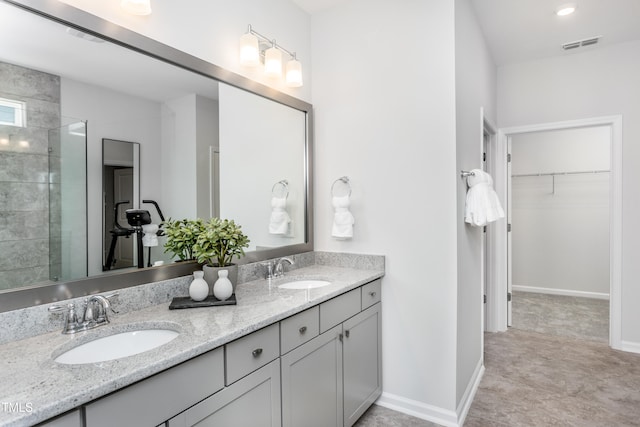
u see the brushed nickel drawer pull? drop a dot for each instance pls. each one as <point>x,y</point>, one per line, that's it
<point>257,352</point>
<point>303,329</point>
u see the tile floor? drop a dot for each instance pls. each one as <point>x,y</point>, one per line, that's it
<point>547,370</point>
<point>576,317</point>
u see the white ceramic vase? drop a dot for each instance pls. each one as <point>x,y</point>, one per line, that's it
<point>223,288</point>
<point>198,289</point>
<point>211,274</point>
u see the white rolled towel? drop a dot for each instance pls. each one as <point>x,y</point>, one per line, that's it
<point>482,204</point>
<point>280,219</point>
<point>343,220</point>
<point>150,238</point>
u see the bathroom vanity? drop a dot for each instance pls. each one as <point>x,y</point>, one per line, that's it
<point>281,357</point>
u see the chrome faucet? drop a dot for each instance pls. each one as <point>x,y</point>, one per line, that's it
<point>275,268</point>
<point>96,313</point>
<point>278,270</point>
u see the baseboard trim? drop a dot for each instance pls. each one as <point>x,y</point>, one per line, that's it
<point>432,413</point>
<point>417,409</point>
<point>470,393</point>
<point>631,346</point>
<point>566,292</point>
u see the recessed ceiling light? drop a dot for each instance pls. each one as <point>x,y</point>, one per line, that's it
<point>566,9</point>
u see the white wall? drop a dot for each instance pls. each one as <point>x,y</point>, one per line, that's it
<point>601,82</point>
<point>561,232</point>
<point>383,95</point>
<point>117,116</point>
<point>475,91</point>
<point>564,150</point>
<point>211,30</point>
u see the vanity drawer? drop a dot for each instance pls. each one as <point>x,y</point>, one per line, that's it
<point>371,293</point>
<point>339,309</point>
<point>298,329</point>
<point>156,399</point>
<point>249,353</point>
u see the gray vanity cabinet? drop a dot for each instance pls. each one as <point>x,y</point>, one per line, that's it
<point>312,382</point>
<point>152,401</point>
<point>71,419</point>
<point>252,401</point>
<point>362,363</point>
<point>332,379</point>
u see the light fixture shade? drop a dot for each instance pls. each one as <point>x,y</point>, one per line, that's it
<point>249,50</point>
<point>137,7</point>
<point>273,62</point>
<point>294,73</point>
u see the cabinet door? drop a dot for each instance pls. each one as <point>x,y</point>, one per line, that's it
<point>252,401</point>
<point>312,382</point>
<point>362,363</point>
<point>157,398</point>
<point>71,419</point>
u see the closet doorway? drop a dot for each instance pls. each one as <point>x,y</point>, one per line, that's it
<point>559,216</point>
<point>500,258</point>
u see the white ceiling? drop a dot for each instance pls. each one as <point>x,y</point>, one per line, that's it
<point>315,6</point>
<point>523,30</point>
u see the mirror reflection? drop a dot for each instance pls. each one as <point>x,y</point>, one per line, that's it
<point>120,188</point>
<point>201,149</point>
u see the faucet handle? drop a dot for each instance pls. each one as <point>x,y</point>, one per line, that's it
<point>58,308</point>
<point>70,317</point>
<point>110,297</point>
<point>268,265</point>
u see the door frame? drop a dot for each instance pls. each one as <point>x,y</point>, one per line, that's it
<point>489,271</point>
<point>497,310</point>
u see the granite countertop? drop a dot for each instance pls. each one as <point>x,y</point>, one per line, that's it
<point>30,377</point>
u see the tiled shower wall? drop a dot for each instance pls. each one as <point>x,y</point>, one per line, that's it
<point>24,176</point>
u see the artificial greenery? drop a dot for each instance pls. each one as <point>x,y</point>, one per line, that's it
<point>219,241</point>
<point>182,236</point>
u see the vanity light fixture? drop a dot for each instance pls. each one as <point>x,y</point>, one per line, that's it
<point>273,61</point>
<point>255,47</point>
<point>566,9</point>
<point>249,50</point>
<point>137,7</point>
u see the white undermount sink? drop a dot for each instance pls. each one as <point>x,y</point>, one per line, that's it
<point>117,346</point>
<point>305,284</point>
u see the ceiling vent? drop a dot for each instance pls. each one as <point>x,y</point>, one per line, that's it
<point>581,43</point>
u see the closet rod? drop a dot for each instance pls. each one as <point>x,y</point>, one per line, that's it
<point>558,173</point>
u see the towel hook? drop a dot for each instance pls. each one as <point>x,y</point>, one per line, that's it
<point>343,179</point>
<point>465,174</point>
<point>285,185</point>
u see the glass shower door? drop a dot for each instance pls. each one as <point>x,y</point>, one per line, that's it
<point>68,202</point>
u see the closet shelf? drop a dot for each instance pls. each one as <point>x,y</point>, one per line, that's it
<point>559,173</point>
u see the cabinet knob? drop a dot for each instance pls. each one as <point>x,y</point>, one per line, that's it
<point>372,293</point>
<point>303,329</point>
<point>257,352</point>
<point>346,333</point>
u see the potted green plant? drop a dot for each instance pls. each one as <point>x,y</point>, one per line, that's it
<point>219,242</point>
<point>182,236</point>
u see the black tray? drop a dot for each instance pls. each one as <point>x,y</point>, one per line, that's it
<point>210,301</point>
